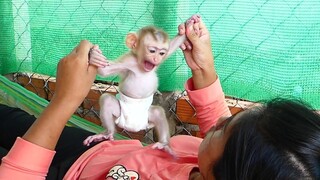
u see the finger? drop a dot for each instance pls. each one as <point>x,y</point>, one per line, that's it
<point>99,63</point>
<point>99,51</point>
<point>181,29</point>
<point>99,59</point>
<point>88,141</point>
<point>96,63</point>
<point>92,52</point>
<point>187,56</point>
<point>83,49</point>
<point>96,54</point>
<point>189,59</point>
<point>191,34</point>
<point>183,47</point>
<point>170,151</point>
<point>202,26</point>
<point>188,45</point>
<point>97,48</point>
<point>196,28</point>
<point>196,18</point>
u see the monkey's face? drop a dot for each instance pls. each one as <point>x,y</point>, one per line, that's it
<point>152,52</point>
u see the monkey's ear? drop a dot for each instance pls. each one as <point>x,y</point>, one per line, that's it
<point>132,40</point>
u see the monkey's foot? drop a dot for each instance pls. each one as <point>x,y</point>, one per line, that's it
<point>97,138</point>
<point>165,147</point>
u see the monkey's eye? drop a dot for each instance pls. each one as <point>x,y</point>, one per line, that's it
<point>162,53</point>
<point>152,50</point>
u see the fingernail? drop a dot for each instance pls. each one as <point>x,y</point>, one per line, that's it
<point>189,21</point>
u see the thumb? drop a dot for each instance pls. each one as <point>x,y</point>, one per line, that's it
<point>191,33</point>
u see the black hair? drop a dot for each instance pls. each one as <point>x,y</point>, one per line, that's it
<point>279,140</point>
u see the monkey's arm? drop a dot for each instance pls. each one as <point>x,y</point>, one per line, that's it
<point>115,67</point>
<point>175,43</point>
<point>107,67</point>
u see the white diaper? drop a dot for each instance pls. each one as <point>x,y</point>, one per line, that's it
<point>134,112</point>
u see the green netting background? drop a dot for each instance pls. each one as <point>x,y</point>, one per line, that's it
<point>262,48</point>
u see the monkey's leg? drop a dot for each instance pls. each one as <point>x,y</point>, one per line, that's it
<point>157,116</point>
<point>109,112</point>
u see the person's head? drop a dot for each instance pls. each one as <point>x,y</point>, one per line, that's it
<point>278,140</point>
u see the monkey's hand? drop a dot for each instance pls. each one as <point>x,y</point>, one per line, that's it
<point>96,57</point>
<point>165,147</point>
<point>98,138</point>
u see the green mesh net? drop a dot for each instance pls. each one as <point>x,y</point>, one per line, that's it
<point>263,49</point>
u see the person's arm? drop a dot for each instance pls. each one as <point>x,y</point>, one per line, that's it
<point>74,80</point>
<point>32,154</point>
<point>204,89</point>
<point>209,103</point>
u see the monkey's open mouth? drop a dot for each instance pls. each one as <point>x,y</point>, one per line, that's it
<point>148,66</point>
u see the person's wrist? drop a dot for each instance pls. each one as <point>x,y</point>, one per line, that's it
<point>67,102</point>
<point>204,77</point>
<point>205,70</point>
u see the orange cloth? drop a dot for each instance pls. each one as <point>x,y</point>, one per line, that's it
<point>26,161</point>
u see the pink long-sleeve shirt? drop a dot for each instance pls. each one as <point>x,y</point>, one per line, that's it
<point>125,158</point>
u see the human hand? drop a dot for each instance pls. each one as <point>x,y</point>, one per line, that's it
<point>96,57</point>
<point>197,51</point>
<point>75,76</point>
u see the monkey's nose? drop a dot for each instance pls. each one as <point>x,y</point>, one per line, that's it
<point>155,60</point>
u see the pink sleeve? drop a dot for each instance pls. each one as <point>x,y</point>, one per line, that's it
<point>209,103</point>
<point>26,161</point>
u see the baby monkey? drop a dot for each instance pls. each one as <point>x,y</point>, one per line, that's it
<point>131,109</point>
